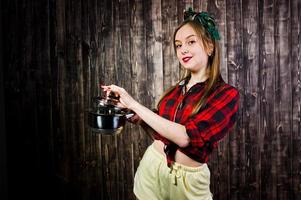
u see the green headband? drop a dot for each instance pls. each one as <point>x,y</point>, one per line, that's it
<point>205,19</point>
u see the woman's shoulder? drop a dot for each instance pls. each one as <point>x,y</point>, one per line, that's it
<point>227,89</point>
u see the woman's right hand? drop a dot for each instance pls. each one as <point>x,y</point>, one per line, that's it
<point>125,100</point>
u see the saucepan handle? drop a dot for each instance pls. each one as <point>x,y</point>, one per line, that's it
<point>129,114</point>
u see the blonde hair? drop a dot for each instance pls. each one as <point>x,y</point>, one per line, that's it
<point>213,68</point>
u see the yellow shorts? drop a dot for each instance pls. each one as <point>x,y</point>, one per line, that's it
<point>156,181</point>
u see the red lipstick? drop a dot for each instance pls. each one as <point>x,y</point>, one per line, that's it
<point>186,59</point>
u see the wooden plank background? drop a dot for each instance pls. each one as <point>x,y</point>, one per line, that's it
<point>56,53</point>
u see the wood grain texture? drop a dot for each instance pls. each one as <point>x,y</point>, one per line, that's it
<point>296,97</point>
<point>266,87</point>
<point>283,100</point>
<point>58,52</point>
<point>250,121</point>
<point>171,67</point>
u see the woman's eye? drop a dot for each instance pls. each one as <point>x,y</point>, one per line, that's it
<point>191,42</point>
<point>178,46</point>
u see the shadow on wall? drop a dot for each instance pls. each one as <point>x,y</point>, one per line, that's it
<point>3,162</point>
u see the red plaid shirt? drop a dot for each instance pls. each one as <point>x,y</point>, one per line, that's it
<point>205,128</point>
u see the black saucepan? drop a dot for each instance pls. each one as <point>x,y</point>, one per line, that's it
<point>106,117</point>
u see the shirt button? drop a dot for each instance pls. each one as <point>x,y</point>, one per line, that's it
<point>166,149</point>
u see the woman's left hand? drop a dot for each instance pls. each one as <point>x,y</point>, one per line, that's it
<point>125,99</point>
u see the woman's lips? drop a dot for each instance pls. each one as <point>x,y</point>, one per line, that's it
<point>186,59</point>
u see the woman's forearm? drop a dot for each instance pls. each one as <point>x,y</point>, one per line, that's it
<point>149,130</point>
<point>172,131</point>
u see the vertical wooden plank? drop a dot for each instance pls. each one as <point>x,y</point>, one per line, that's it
<point>295,48</point>
<point>154,52</point>
<point>109,76</point>
<point>18,88</point>
<point>42,94</point>
<point>61,160</point>
<point>139,70</point>
<point>200,5</point>
<point>3,141</point>
<point>62,164</point>
<point>250,188</point>
<point>87,144</point>
<point>171,66</point>
<point>74,96</point>
<point>283,100</point>
<point>98,70</point>
<point>251,61</point>
<point>96,18</point>
<point>33,92</point>
<point>266,84</point>
<point>125,167</point>
<point>70,94</point>
<point>57,68</point>
<point>91,163</point>
<point>53,81</point>
<point>236,78</point>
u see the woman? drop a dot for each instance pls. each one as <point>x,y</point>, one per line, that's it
<point>193,116</point>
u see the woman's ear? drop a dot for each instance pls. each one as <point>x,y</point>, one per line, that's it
<point>210,48</point>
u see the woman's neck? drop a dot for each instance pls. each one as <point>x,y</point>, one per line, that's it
<point>198,77</point>
<point>194,79</point>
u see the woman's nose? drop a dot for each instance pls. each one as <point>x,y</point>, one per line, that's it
<point>185,51</point>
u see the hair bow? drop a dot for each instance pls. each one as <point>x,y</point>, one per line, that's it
<point>205,19</point>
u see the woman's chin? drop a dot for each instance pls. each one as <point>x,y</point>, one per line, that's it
<point>189,67</point>
<point>192,68</point>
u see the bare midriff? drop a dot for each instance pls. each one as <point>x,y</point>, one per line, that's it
<point>180,157</point>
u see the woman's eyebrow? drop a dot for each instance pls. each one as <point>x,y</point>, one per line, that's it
<point>185,38</point>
